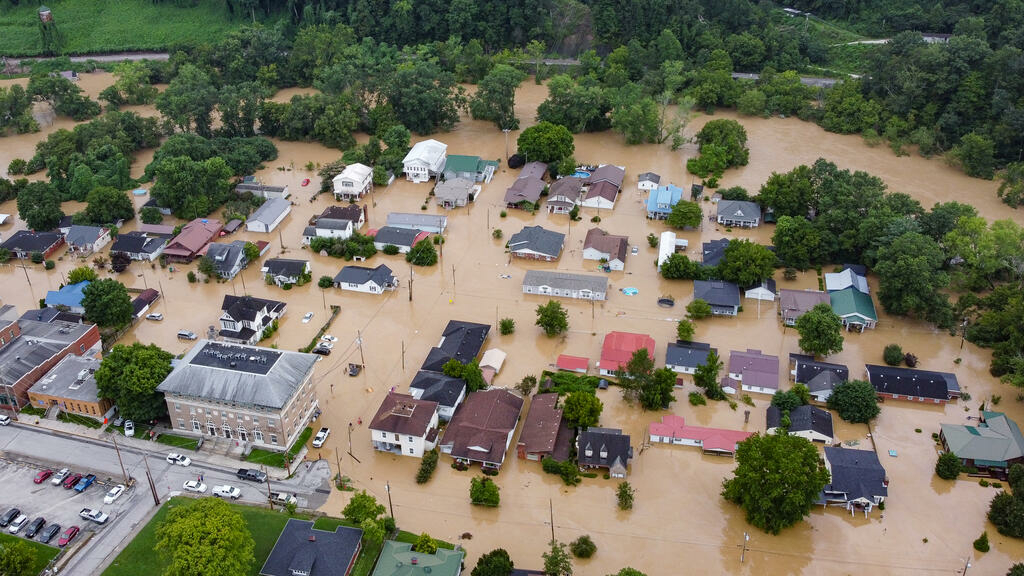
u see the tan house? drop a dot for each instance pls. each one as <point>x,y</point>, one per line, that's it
<point>71,386</point>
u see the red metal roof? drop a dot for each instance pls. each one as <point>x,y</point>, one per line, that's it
<point>618,348</point>
<point>566,362</point>
<point>715,439</point>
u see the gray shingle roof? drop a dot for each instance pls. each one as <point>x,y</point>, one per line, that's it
<point>271,210</point>
<point>83,235</point>
<point>361,275</point>
<point>913,382</point>
<point>397,236</point>
<point>717,292</point>
<point>260,376</point>
<point>997,439</point>
<point>612,440</point>
<point>714,251</point>
<point>741,210</point>
<point>439,388</point>
<point>803,418</point>
<point>857,473</point>
<point>565,280</point>
<point>426,222</point>
<point>537,239</point>
<point>689,354</point>
<point>311,551</point>
<point>818,375</point>
<point>649,177</point>
<point>28,241</point>
<point>285,266</point>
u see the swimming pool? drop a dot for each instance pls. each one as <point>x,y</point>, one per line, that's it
<point>582,174</point>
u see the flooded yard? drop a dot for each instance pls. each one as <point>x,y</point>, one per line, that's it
<point>679,515</point>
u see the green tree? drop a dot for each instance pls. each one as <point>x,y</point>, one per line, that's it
<point>1011,189</point>
<point>797,242</point>
<point>685,215</point>
<point>546,142</point>
<point>789,194</point>
<point>207,267</point>
<point>239,106</point>
<point>728,134</point>
<point>752,103</point>
<point>981,544</point>
<point>494,100</point>
<point>484,492</point>
<point>132,84</point>
<point>64,95</point>
<point>627,571</point>
<point>362,506</point>
<point>1016,570</point>
<point>190,188</point>
<point>582,409</point>
<point>189,100</point>
<point>39,206</point>
<point>425,544</point>
<point>557,561</point>
<point>625,494</point>
<point>251,251</point>
<point>552,318</point>
<point>787,400</point>
<point>855,401</point>
<point>106,205</point>
<point>635,375</point>
<point>684,330</point>
<point>425,98</point>
<point>81,274</point>
<point>976,154</point>
<point>698,309</point>
<point>205,536</point>
<point>507,326</point>
<point>656,394</point>
<point>679,267</point>
<point>635,115</point>
<point>893,354</point>
<point>150,215</point>
<point>373,530</point>
<point>422,254</point>
<point>325,282</point>
<point>576,107</point>
<point>17,559</point>
<point>106,303</point>
<point>777,480</point>
<point>129,375</point>
<point>746,263</point>
<point>948,466</point>
<point>527,385</point>
<point>911,276</point>
<point>583,547</point>
<point>821,331</point>
<point>494,563</point>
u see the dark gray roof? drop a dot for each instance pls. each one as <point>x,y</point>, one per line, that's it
<point>690,354</point>
<point>537,239</point>
<point>285,266</point>
<point>610,439</point>
<point>741,210</point>
<point>913,382</point>
<point>803,418</point>
<point>239,374</point>
<point>439,388</point>
<point>39,341</point>
<point>649,177</point>
<point>82,235</point>
<point>136,243</point>
<point>460,340</point>
<point>361,275</point>
<point>247,307</point>
<point>856,473</point>
<point>714,251</point>
<point>332,224</point>
<point>396,236</point>
<point>226,256</point>
<point>300,547</point>
<point>817,375</point>
<point>28,241</point>
<point>768,284</point>
<point>717,292</point>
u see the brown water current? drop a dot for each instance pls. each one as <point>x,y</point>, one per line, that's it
<point>680,524</point>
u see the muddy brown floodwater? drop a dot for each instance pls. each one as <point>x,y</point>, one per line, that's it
<point>927,527</point>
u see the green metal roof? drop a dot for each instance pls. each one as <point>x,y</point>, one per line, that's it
<point>996,441</point>
<point>851,301</point>
<point>460,163</point>
<point>398,559</point>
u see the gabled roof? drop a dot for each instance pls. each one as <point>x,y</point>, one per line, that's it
<point>802,419</point>
<point>835,281</point>
<point>742,210</point>
<point>153,229</point>
<point>428,151</point>
<point>611,244</point>
<point>818,376</point>
<point>195,235</point>
<point>663,196</point>
<point>249,308</point>
<point>609,440</point>
<point>226,256</point>
<point>480,428</point>
<point>358,172</point>
<point>913,382</point>
<point>649,177</point>
<point>544,428</point>
<point>436,387</point>
<point>453,189</point>
<point>271,210</point>
<point>83,235</point>
<point>757,369</point>
<point>493,358</point>
<point>136,243</point>
<point>526,189</point>
<point>996,438</point>
<point>460,340</point>
<point>606,173</point>
<point>716,292</point>
<point>403,414</point>
<point>855,473</point>
<point>300,547</point>
<point>351,212</point>
<point>396,236</point>
<point>533,170</point>
<point>332,224</point>
<point>799,302</point>
<point>70,295</point>
<point>361,275</point>
<point>285,267</point>
<point>565,280</point>
<point>397,559</point>
<point>619,347</point>
<point>464,163</point>
<point>712,439</point>
<point>568,186</point>
<point>689,354</point>
<point>537,239</point>
<point>29,241</point>
<point>419,221</point>
<point>851,301</point>
<point>567,362</point>
<point>604,189</point>
<point>714,251</point>
<point>259,188</point>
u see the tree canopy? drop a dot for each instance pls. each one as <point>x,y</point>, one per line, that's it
<point>553,318</point>
<point>855,401</point>
<point>685,215</point>
<point>495,97</point>
<point>129,375</point>
<point>107,303</point>
<point>494,563</point>
<point>582,409</point>
<point>205,536</point>
<point>39,206</point>
<point>746,263</point>
<point>821,331</point>
<point>546,142</point>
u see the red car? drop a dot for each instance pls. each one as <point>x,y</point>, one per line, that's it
<point>42,476</point>
<point>70,481</point>
<point>67,536</point>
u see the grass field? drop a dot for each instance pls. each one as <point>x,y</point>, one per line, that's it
<point>95,26</point>
<point>42,552</point>
<point>178,441</point>
<point>276,459</point>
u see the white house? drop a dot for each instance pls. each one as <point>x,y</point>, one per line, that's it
<point>353,183</point>
<point>685,357</point>
<point>327,228</point>
<point>668,245</point>
<point>84,240</point>
<point>432,223</point>
<point>648,181</point>
<point>404,425</point>
<point>244,318</point>
<point>262,190</point>
<point>448,392</point>
<point>805,421</point>
<point>602,246</point>
<point>565,284</point>
<point>368,280</point>
<point>283,271</point>
<point>268,215</point>
<point>425,160</point>
<point>764,290</point>
<point>402,238</point>
<point>139,246</point>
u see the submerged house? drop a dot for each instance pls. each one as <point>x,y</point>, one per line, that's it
<point>545,431</point>
<point>536,243</point>
<point>819,377</point>
<point>724,297</point>
<point>673,430</point>
<point>244,318</point>
<point>425,160</point>
<point>267,217</point>
<point>858,479</point>
<point>739,213</point>
<point>482,428</point>
<point>913,384</point>
<point>455,192</point>
<point>607,248</point>
<point>193,237</point>
<point>795,303</point>
<point>684,357</point>
<point>661,201</point>
<point>283,271</point>
<point>752,371</point>
<point>809,422</point>
<point>606,448</point>
<point>563,194</point>
<point>994,444</point>
<point>354,182</point>
<point>471,168</point>
<point>618,349</point>
<point>564,284</point>
<point>404,425</point>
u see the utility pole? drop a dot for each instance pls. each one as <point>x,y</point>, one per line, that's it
<point>966,566</point>
<point>144,283</point>
<point>387,488</point>
<point>149,478</point>
<point>269,494</point>
<point>337,458</point>
<point>281,238</point>
<point>403,354</point>
<point>162,293</point>
<point>359,340</point>
<point>410,282</point>
<point>551,511</point>
<point>119,460</point>
<point>506,131</point>
<point>963,332</point>
<point>743,553</point>
<point>242,276</point>
<point>323,296</point>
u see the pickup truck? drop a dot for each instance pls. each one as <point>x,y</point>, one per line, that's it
<point>226,491</point>
<point>94,515</point>
<point>251,474</point>
<point>85,482</point>
<point>283,498</point>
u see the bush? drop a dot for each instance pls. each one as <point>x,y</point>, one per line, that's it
<point>652,240</point>
<point>583,547</point>
<point>625,494</point>
<point>425,544</point>
<point>325,282</point>
<point>698,309</point>
<point>37,257</point>
<point>506,326</point>
<point>497,234</point>
<point>948,466</point>
<point>981,544</point>
<point>568,470</point>
<point>697,399</point>
<point>484,492</point>
<point>17,166</point>
<point>390,249</point>
<point>983,483</point>
<point>49,264</point>
<point>503,214</point>
<point>191,277</point>
<point>893,355</point>
<point>789,273</point>
<point>596,219</point>
<point>427,467</point>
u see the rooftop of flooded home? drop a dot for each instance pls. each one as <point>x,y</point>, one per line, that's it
<point>927,525</point>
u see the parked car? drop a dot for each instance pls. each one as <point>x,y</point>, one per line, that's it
<point>118,421</point>
<point>42,475</point>
<point>94,514</point>
<point>251,474</point>
<point>635,250</point>
<point>195,486</point>
<point>48,533</point>
<point>60,476</point>
<point>354,369</point>
<point>71,480</point>
<point>129,428</point>
<point>322,351</point>
<point>283,498</point>
<point>68,536</point>
<point>328,345</point>
<point>329,338</point>
<point>113,494</point>
<point>157,316</point>
<point>34,527</point>
<point>186,335</point>
<point>227,491</point>
<point>85,483</point>
<point>9,516</point>
<point>4,419</point>
<point>17,524</point>
<point>321,437</point>
<point>178,459</point>
<point>307,317</point>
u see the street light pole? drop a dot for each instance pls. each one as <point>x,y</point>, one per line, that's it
<point>506,131</point>
<point>387,488</point>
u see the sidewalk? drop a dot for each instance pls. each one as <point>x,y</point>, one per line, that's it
<point>204,455</point>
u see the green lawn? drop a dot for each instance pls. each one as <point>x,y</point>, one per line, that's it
<point>78,419</point>
<point>30,410</point>
<point>276,459</point>
<point>42,552</point>
<point>91,26</point>
<point>411,538</point>
<point>178,441</point>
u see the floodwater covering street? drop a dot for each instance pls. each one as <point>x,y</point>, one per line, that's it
<point>679,517</point>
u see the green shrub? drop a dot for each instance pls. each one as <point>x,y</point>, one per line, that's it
<point>625,494</point>
<point>583,547</point>
<point>427,466</point>
<point>652,240</point>
<point>983,483</point>
<point>390,249</point>
<point>997,485</point>
<point>325,282</point>
<point>191,277</point>
<point>484,492</point>
<point>507,326</point>
<point>596,219</point>
<point>17,166</point>
<point>497,234</point>
<point>49,264</point>
<point>981,544</point>
<point>697,399</point>
<point>948,466</point>
<point>503,214</point>
<point>37,257</point>
<point>893,355</point>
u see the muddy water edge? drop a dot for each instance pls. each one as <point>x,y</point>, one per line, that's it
<point>927,526</point>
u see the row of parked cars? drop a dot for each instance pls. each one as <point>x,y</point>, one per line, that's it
<point>15,522</point>
<point>69,480</point>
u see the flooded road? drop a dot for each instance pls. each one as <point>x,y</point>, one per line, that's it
<point>678,512</point>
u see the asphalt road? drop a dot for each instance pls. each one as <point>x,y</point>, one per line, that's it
<point>28,449</point>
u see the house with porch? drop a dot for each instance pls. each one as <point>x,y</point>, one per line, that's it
<point>193,237</point>
<point>482,428</point>
<point>84,240</point>
<point>244,318</point>
<point>913,384</point>
<point>993,444</point>
<point>446,391</point>
<point>455,192</point>
<point>606,448</point>
<point>139,246</point>
<point>525,193</point>
<point>536,243</point>
<point>328,228</point>
<point>471,168</point>
<point>854,308</point>
<point>724,297</point>
<point>618,349</point>
<point>738,213</point>
<point>819,377</point>
<point>354,182</point>
<point>425,160</point>
<point>23,243</point>
<point>607,248</point>
<point>283,271</point>
<point>673,430</point>
<point>809,422</point>
<point>564,194</point>
<point>752,371</point>
<point>647,181</point>
<point>795,303</point>
<point>661,200</point>
<point>404,425</point>
<point>367,280</point>
<point>848,278</point>
<point>545,431</point>
<point>402,238</point>
<point>858,480</point>
<point>684,357</point>
<point>564,284</point>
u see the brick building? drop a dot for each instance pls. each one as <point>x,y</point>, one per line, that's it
<point>71,386</point>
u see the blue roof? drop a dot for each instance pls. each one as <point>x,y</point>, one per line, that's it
<point>663,196</point>
<point>70,295</point>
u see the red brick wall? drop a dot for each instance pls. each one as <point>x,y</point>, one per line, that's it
<point>9,333</point>
<point>87,340</point>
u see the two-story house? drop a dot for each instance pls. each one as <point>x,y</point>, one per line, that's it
<point>404,425</point>
<point>244,318</point>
